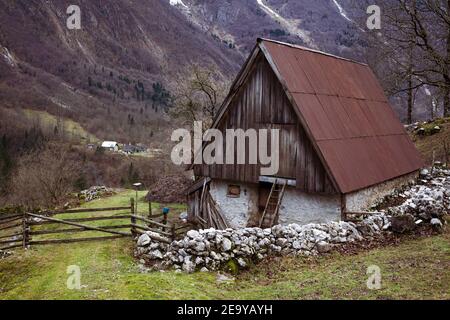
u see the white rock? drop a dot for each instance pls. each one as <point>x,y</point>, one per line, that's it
<point>226,244</point>
<point>188,266</point>
<point>436,222</point>
<point>193,234</point>
<point>242,262</point>
<point>156,254</point>
<point>323,247</point>
<point>297,245</point>
<point>143,240</point>
<point>200,246</point>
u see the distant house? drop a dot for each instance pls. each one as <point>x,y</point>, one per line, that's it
<point>342,148</point>
<point>129,148</point>
<point>110,145</point>
<point>141,148</point>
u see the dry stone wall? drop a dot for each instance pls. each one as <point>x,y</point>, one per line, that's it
<point>211,249</point>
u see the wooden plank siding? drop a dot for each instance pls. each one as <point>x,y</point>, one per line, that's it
<point>261,103</point>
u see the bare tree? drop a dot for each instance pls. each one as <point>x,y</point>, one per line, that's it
<point>199,92</point>
<point>44,178</point>
<point>429,21</point>
<point>412,49</point>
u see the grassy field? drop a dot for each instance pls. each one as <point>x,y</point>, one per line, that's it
<point>413,269</point>
<point>71,128</point>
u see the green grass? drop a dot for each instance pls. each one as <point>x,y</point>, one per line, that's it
<point>413,269</point>
<point>70,127</point>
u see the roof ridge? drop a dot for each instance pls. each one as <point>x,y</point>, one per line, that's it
<point>296,46</point>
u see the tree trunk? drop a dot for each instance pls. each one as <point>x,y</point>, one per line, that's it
<point>410,83</point>
<point>410,100</point>
<point>447,72</point>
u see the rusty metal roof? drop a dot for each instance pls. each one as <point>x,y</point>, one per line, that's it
<point>346,113</point>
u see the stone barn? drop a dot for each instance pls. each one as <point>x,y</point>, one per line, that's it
<point>342,147</point>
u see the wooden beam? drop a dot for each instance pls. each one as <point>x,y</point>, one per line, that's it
<point>154,237</point>
<point>52,221</point>
<point>11,226</point>
<point>5,221</point>
<point>77,224</point>
<point>87,210</point>
<point>9,216</point>
<point>12,235</point>
<point>39,232</point>
<point>164,233</point>
<point>11,241</point>
<point>11,247</point>
<point>198,184</point>
<point>361,213</point>
<point>41,242</point>
<point>162,225</point>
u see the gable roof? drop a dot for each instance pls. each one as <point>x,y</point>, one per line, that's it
<point>344,111</point>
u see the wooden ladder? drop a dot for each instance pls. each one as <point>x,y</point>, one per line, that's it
<point>273,204</point>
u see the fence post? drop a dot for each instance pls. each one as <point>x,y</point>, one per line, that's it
<point>150,213</point>
<point>133,219</point>
<point>165,214</point>
<point>172,231</point>
<point>25,231</point>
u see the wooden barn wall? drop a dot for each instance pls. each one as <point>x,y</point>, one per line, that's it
<point>262,103</point>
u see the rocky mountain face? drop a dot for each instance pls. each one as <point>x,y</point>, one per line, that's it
<point>105,74</point>
<point>321,24</point>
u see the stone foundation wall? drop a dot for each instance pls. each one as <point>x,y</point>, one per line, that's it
<point>236,210</point>
<point>210,249</point>
<point>364,199</point>
<point>296,207</point>
<point>303,208</point>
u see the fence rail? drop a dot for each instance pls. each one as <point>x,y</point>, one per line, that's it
<point>27,229</point>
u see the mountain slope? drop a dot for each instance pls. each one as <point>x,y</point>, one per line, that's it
<point>90,73</point>
<point>102,75</point>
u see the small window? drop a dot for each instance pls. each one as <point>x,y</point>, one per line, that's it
<point>234,191</point>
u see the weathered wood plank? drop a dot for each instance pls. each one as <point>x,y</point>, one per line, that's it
<point>11,226</point>
<point>77,224</point>
<point>261,102</point>
<point>55,241</point>
<point>11,235</point>
<point>6,221</point>
<point>35,223</point>
<point>88,210</point>
<point>10,241</point>
<point>9,216</point>
<point>150,221</point>
<point>72,230</point>
<point>138,226</point>
<point>11,247</point>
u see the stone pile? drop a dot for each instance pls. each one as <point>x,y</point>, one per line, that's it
<point>94,192</point>
<point>428,200</point>
<point>210,249</point>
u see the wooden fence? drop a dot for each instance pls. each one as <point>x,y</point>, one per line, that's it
<point>11,230</point>
<point>29,229</point>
